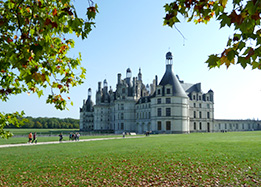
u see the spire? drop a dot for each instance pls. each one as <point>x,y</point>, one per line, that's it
<point>170,79</point>
<point>139,75</point>
<point>89,93</point>
<point>89,103</point>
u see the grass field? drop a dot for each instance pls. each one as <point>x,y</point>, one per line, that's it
<point>214,159</point>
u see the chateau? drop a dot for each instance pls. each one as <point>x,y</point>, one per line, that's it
<point>170,106</point>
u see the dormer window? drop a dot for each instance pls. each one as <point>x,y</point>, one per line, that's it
<point>168,90</point>
<point>158,91</point>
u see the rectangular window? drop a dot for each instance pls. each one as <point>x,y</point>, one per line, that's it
<point>168,90</point>
<point>168,101</point>
<point>168,125</point>
<point>200,126</point>
<point>158,91</point>
<point>208,115</point>
<point>159,111</point>
<point>199,105</point>
<point>122,126</point>
<point>200,116</point>
<point>195,126</point>
<point>168,111</point>
<point>195,114</point>
<point>122,116</point>
<point>159,100</point>
<point>194,105</point>
<point>194,97</point>
<point>159,125</point>
<point>122,106</point>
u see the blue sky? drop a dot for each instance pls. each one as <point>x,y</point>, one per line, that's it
<point>131,34</point>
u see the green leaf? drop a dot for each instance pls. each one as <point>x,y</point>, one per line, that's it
<point>231,55</point>
<point>212,61</point>
<point>40,93</point>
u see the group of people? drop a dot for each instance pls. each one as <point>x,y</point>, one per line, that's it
<point>32,138</point>
<point>74,136</point>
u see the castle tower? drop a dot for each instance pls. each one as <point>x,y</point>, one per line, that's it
<point>171,104</point>
<point>86,113</point>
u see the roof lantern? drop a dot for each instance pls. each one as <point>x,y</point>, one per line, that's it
<point>128,73</point>
<point>169,58</point>
<point>89,92</point>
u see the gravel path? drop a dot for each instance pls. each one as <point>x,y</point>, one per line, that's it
<point>57,142</point>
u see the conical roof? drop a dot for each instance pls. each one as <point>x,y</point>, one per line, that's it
<point>171,79</point>
<point>89,105</point>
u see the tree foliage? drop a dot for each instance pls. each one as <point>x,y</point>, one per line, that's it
<point>244,17</point>
<point>49,123</point>
<point>34,41</point>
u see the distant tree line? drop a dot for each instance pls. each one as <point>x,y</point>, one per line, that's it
<point>49,123</point>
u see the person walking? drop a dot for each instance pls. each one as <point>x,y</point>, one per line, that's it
<point>78,136</point>
<point>61,137</point>
<point>30,137</point>
<point>34,138</point>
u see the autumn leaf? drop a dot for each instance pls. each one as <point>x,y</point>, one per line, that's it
<point>54,12</point>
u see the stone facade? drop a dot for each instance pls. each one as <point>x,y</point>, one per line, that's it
<point>172,106</point>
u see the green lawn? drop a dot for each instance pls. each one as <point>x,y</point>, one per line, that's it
<point>214,159</point>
